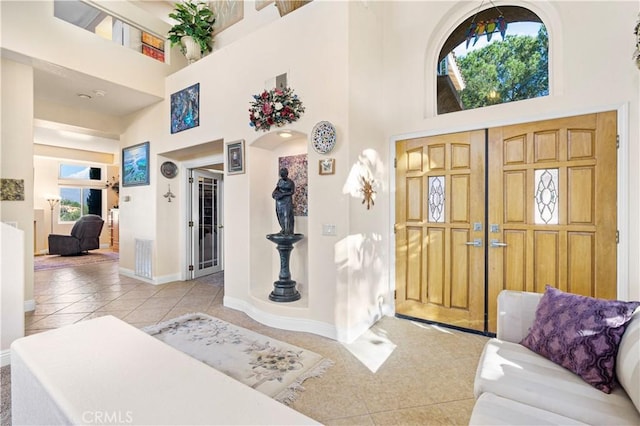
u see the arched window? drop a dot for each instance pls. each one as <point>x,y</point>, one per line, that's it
<point>495,56</point>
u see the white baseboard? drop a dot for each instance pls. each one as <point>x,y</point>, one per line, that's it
<point>5,357</point>
<point>286,323</point>
<point>155,281</point>
<point>29,305</point>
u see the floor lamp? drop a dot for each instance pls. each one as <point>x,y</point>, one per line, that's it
<point>52,203</point>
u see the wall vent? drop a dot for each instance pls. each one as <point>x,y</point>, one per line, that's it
<point>143,253</point>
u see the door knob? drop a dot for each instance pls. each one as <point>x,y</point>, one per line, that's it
<point>496,243</point>
<point>475,243</point>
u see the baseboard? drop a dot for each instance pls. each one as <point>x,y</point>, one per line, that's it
<point>5,357</point>
<point>29,305</point>
<point>286,323</point>
<point>155,281</point>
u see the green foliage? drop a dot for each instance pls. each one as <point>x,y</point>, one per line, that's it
<point>195,19</point>
<point>510,70</point>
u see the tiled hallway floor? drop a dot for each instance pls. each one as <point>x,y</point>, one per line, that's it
<point>426,378</point>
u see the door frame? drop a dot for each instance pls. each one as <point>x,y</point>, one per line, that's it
<point>622,111</point>
<point>185,240</point>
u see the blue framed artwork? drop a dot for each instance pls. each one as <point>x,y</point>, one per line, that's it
<point>185,109</point>
<point>135,165</point>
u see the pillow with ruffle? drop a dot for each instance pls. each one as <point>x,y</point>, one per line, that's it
<point>581,334</point>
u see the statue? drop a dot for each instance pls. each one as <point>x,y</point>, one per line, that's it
<point>283,194</point>
<point>284,290</point>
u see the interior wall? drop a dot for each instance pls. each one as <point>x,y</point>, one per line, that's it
<point>31,29</point>
<point>17,160</point>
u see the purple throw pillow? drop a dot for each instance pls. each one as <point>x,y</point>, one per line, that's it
<point>581,334</point>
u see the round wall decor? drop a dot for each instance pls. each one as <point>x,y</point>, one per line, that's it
<point>323,137</point>
<point>169,169</point>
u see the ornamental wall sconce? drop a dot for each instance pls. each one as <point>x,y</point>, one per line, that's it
<point>169,195</point>
<point>367,191</point>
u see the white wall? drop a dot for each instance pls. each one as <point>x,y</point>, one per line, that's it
<point>12,288</point>
<point>17,159</point>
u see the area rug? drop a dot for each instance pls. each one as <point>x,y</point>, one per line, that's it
<point>41,263</point>
<point>270,366</point>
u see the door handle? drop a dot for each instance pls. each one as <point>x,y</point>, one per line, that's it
<point>496,243</point>
<point>475,243</point>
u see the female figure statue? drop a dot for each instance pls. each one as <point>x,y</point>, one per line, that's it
<point>283,194</point>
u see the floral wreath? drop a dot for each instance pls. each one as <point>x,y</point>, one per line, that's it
<point>274,108</point>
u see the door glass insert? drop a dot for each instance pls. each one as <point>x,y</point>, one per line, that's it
<point>436,199</point>
<point>546,197</point>
<point>208,226</point>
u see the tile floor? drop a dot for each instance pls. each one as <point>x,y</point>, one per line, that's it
<point>426,379</point>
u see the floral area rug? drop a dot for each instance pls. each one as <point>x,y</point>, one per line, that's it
<point>270,366</point>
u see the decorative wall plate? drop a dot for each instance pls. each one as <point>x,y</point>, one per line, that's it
<point>169,169</point>
<point>323,137</point>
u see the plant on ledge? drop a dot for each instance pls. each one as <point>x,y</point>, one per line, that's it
<point>195,20</point>
<point>274,108</point>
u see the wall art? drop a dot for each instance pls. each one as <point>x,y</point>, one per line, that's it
<point>261,4</point>
<point>185,109</point>
<point>297,166</point>
<point>135,165</point>
<point>227,13</point>
<point>326,166</point>
<point>11,189</point>
<point>235,157</point>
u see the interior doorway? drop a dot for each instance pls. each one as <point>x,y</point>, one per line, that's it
<point>513,207</point>
<point>206,227</point>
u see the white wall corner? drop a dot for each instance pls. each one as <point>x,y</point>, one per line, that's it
<point>5,357</point>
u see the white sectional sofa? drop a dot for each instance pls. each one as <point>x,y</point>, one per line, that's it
<point>515,386</point>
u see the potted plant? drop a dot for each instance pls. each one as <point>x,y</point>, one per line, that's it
<point>194,29</point>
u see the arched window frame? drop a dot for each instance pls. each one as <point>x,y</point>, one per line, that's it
<point>460,12</point>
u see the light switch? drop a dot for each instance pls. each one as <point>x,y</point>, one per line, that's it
<point>328,229</point>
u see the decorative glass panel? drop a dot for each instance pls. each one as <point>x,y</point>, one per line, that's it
<point>436,199</point>
<point>546,197</point>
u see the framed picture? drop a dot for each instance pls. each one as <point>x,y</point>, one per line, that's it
<point>261,4</point>
<point>135,165</point>
<point>185,108</point>
<point>327,166</point>
<point>235,157</point>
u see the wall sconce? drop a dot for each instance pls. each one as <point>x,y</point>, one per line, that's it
<point>169,195</point>
<point>367,191</point>
<point>53,201</point>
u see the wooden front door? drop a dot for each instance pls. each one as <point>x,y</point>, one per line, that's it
<point>550,218</point>
<point>552,207</point>
<point>440,215</point>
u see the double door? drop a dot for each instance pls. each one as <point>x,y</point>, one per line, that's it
<point>514,207</point>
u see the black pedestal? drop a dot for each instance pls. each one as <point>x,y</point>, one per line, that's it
<point>284,290</point>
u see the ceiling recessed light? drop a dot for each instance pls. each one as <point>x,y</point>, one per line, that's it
<point>99,92</point>
<point>83,96</point>
<point>285,134</point>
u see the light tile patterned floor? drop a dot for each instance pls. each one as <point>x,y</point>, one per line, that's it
<point>427,379</point>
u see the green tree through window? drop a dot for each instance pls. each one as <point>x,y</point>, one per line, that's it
<point>506,71</point>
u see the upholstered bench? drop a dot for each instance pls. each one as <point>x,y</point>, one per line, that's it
<point>105,371</point>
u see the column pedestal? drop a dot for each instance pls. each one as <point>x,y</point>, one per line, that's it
<point>284,290</point>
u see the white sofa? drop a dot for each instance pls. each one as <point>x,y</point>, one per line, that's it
<point>515,386</point>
